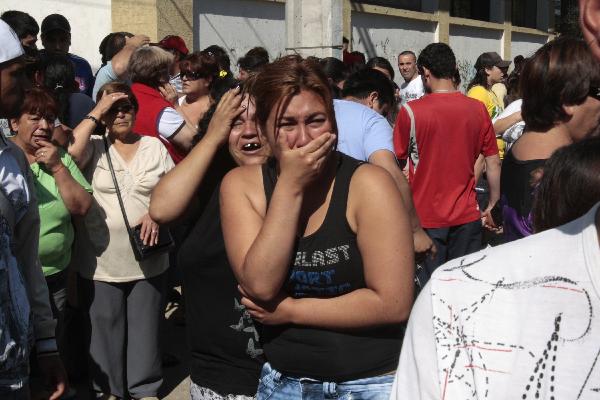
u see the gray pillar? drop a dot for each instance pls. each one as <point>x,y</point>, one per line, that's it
<point>314,27</point>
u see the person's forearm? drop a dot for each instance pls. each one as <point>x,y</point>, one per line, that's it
<point>121,60</point>
<point>80,140</point>
<point>76,199</point>
<point>362,308</point>
<point>174,192</point>
<point>267,262</point>
<point>407,200</point>
<point>492,165</point>
<point>478,168</point>
<point>503,124</point>
<point>184,137</point>
<point>386,160</point>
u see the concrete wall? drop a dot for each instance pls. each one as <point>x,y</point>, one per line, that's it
<point>90,21</point>
<point>138,18</point>
<point>176,17</point>
<point>525,44</point>
<point>239,25</point>
<point>469,42</point>
<point>378,35</point>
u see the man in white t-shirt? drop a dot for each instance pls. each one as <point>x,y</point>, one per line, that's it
<point>518,321</point>
<point>412,88</point>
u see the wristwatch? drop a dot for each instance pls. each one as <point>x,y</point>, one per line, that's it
<point>92,118</point>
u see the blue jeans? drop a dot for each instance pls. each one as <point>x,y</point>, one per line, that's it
<point>274,386</point>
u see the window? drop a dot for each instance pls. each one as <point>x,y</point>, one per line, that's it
<point>473,9</point>
<point>566,18</point>
<point>413,5</point>
<point>524,13</point>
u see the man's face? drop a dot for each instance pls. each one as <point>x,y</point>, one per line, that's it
<point>57,41</point>
<point>407,64</point>
<point>13,83</point>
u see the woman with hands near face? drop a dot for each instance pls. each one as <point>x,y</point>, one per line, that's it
<point>226,357</point>
<point>62,192</point>
<point>322,253</point>
<point>123,297</point>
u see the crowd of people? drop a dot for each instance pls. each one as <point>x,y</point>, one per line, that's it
<point>303,206</point>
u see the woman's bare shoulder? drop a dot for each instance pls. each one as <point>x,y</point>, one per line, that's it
<point>244,185</point>
<point>370,177</point>
<point>244,175</point>
<point>534,146</point>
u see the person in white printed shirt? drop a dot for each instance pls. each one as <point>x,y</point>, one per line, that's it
<point>518,321</point>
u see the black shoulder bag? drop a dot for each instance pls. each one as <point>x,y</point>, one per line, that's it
<point>140,250</point>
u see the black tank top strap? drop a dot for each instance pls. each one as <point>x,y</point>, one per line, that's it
<point>339,197</point>
<point>269,176</point>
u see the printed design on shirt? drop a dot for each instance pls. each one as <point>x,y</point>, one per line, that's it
<point>408,96</point>
<point>246,324</point>
<point>467,359</point>
<point>310,276</point>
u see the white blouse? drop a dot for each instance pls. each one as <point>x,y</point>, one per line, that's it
<point>106,253</point>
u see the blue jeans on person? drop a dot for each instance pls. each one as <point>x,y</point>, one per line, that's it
<point>275,386</point>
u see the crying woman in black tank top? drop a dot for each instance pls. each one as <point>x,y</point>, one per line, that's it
<point>321,246</point>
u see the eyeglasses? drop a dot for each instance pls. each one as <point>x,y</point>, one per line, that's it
<point>124,108</point>
<point>594,92</point>
<point>191,76</point>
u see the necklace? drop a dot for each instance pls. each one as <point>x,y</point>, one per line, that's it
<point>443,91</point>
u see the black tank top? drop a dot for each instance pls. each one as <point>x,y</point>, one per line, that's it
<point>328,264</point>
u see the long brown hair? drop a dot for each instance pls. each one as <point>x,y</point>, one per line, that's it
<point>285,78</point>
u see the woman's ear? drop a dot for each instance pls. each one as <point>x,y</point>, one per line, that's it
<point>373,96</point>
<point>14,124</point>
<point>569,110</point>
<point>589,19</point>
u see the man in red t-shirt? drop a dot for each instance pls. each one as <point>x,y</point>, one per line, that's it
<point>449,131</point>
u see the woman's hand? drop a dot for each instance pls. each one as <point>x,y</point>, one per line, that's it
<point>106,102</point>
<point>149,231</point>
<point>302,165</point>
<point>169,93</point>
<point>277,312</point>
<point>48,155</point>
<point>226,112</point>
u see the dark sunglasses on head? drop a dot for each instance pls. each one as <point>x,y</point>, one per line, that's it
<point>594,92</point>
<point>124,108</point>
<point>191,76</point>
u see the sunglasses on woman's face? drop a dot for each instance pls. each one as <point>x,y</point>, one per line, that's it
<point>123,107</point>
<point>191,76</point>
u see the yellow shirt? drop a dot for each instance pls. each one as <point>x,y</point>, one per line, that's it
<point>494,108</point>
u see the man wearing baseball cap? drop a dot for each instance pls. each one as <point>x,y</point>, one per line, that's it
<point>176,46</point>
<point>24,301</point>
<point>56,38</point>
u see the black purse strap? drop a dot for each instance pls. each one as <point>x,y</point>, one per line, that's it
<point>114,178</point>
